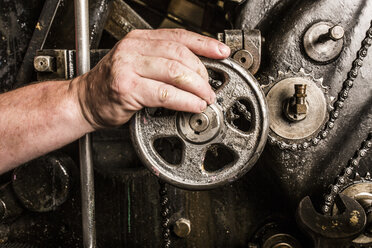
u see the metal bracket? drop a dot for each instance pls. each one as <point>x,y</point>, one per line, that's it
<point>65,63</point>
<point>245,47</point>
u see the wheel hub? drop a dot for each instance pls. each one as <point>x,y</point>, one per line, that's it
<point>200,128</point>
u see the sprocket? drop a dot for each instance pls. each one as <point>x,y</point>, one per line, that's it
<point>288,134</point>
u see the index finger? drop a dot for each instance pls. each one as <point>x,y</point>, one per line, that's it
<point>199,44</point>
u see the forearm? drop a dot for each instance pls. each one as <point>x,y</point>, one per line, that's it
<point>37,119</point>
<point>156,68</point>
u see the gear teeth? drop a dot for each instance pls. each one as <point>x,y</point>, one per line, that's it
<point>368,176</point>
<point>357,177</point>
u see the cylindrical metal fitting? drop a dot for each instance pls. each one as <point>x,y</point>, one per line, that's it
<point>300,93</point>
<point>336,33</point>
<point>182,227</point>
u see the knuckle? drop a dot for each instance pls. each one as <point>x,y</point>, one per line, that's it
<point>181,51</point>
<point>206,43</point>
<point>163,94</point>
<point>125,83</point>
<point>124,44</point>
<point>173,69</point>
<point>179,34</point>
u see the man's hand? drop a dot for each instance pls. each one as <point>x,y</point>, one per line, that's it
<point>148,68</point>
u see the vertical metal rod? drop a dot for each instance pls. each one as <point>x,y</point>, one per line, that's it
<point>85,149</point>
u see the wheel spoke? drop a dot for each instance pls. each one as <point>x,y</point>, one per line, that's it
<point>239,142</point>
<point>230,92</point>
<point>159,126</point>
<point>193,160</point>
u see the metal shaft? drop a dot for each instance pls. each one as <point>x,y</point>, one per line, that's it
<point>85,149</point>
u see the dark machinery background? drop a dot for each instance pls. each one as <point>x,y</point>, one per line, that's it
<point>40,201</point>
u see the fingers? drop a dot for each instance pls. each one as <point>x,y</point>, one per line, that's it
<point>152,93</point>
<point>171,50</point>
<point>197,43</point>
<point>176,74</point>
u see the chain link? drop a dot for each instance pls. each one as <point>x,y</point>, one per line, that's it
<point>338,104</point>
<point>165,213</point>
<point>353,164</point>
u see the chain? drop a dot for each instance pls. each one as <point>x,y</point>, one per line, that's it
<point>338,104</point>
<point>243,110</point>
<point>353,164</point>
<point>165,212</point>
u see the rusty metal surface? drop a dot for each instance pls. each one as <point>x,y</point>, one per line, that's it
<point>332,231</point>
<point>247,146</point>
<point>283,51</point>
<point>17,23</point>
<point>127,194</point>
<point>37,41</point>
<point>123,19</point>
<point>245,47</point>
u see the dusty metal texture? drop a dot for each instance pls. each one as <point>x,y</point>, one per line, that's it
<point>323,41</point>
<point>45,183</point>
<point>282,51</point>
<point>282,128</point>
<point>244,58</point>
<point>246,145</point>
<point>245,47</point>
<point>65,66</point>
<point>17,23</point>
<point>44,63</point>
<point>10,208</point>
<point>332,231</point>
<point>361,191</point>
<point>37,41</point>
<point>275,233</point>
<point>62,31</point>
<point>99,11</point>
<point>123,19</point>
<point>252,43</point>
<point>350,183</point>
<point>127,194</point>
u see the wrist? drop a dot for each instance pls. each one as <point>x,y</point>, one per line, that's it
<point>78,111</point>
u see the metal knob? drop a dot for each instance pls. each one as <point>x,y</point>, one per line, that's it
<point>182,227</point>
<point>336,33</point>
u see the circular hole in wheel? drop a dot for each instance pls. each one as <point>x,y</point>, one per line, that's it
<point>240,115</point>
<point>216,78</point>
<point>170,149</point>
<point>218,157</point>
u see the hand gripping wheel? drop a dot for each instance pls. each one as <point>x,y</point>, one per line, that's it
<point>236,126</point>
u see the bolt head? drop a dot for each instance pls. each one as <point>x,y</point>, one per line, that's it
<point>44,63</point>
<point>182,227</point>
